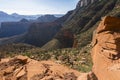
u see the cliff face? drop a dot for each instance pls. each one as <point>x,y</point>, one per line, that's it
<point>40,33</point>
<point>106,49</point>
<point>83,3</point>
<point>9,29</point>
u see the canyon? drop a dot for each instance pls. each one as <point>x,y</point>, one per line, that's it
<point>81,45</point>
<point>105,56</point>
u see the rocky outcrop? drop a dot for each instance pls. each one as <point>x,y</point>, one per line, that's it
<point>106,49</point>
<point>23,68</point>
<point>83,3</point>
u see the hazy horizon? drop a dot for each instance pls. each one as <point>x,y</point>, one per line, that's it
<point>28,14</point>
<point>34,7</point>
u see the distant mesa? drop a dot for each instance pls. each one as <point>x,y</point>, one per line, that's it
<point>24,20</point>
<point>4,17</point>
<point>15,14</point>
<point>46,18</point>
<point>3,13</point>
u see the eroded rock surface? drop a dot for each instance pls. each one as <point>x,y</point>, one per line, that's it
<point>106,49</point>
<point>23,68</point>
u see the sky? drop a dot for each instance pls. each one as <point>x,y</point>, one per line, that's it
<point>33,7</point>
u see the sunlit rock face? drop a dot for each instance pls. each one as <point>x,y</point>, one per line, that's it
<point>106,49</point>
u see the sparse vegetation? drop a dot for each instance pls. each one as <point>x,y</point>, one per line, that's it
<point>79,59</point>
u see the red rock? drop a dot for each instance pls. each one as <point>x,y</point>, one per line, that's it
<point>35,70</point>
<point>22,58</point>
<point>4,60</point>
<point>106,49</point>
<point>9,70</point>
<point>21,73</point>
